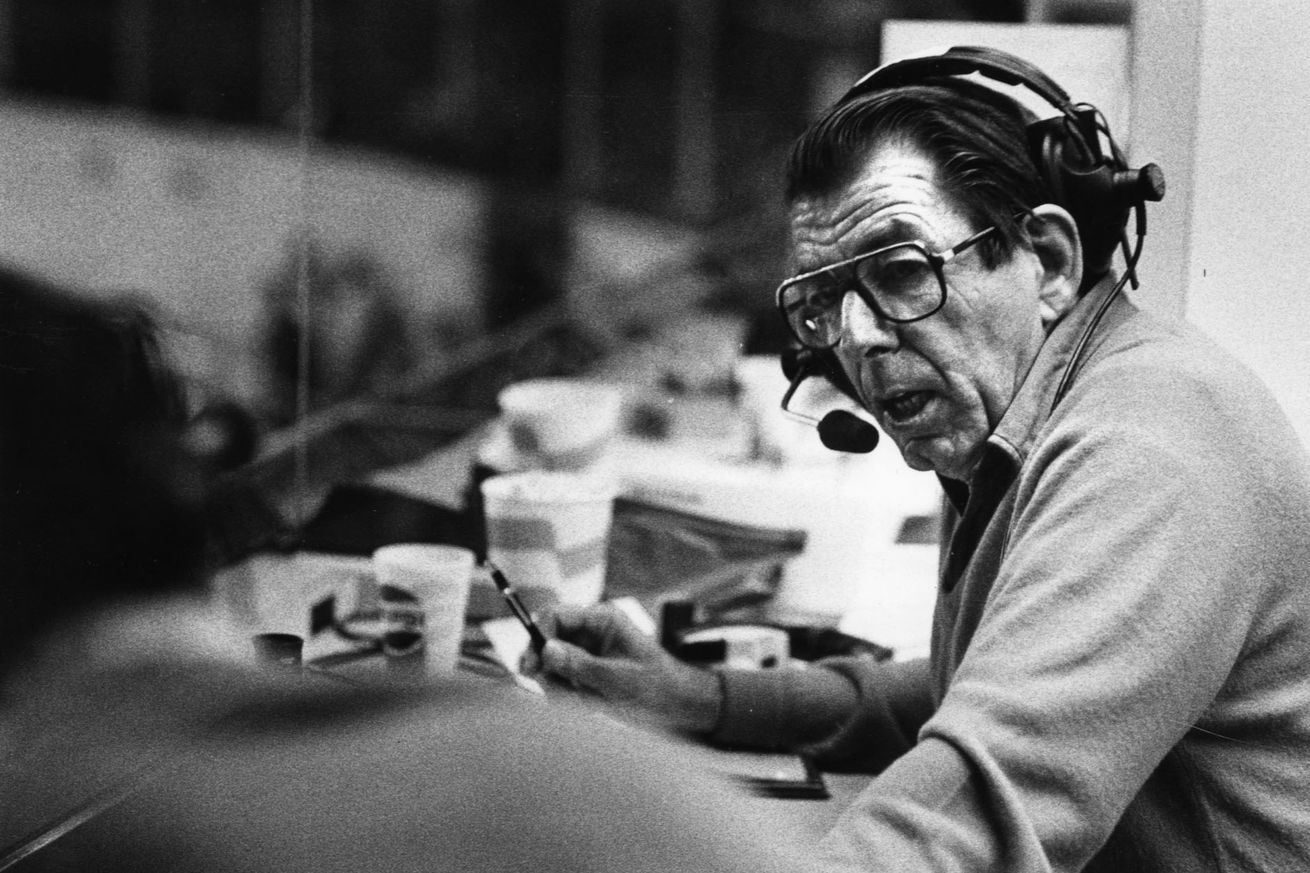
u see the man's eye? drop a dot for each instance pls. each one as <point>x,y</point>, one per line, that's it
<point>813,301</point>
<point>822,298</point>
<point>896,275</point>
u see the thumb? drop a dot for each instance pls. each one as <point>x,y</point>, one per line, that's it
<point>558,657</point>
<point>530,663</point>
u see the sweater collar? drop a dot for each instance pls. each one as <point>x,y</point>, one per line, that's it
<point>1031,406</point>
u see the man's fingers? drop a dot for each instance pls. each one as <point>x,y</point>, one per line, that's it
<point>554,657</point>
<point>577,666</point>
<point>595,628</point>
<point>561,658</point>
<point>567,619</point>
<point>595,619</point>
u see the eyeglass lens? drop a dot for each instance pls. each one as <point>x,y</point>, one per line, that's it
<point>899,282</point>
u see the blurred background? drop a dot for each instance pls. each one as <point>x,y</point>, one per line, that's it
<point>356,221</point>
<point>364,218</point>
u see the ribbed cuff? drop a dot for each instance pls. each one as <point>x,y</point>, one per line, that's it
<point>783,708</point>
<point>752,709</point>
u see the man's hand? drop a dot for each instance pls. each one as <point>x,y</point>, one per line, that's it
<point>599,650</point>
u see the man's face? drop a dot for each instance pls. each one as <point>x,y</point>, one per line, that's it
<point>937,386</point>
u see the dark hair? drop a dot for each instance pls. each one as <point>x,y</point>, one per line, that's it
<point>975,135</point>
<point>95,502</point>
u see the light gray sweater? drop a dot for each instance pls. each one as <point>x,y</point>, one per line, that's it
<point>1120,668</point>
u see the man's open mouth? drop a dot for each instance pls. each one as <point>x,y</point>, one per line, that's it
<point>903,407</point>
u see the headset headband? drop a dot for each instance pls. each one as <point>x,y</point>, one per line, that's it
<point>961,61</point>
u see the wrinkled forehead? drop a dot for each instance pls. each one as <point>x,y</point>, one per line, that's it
<point>894,195</point>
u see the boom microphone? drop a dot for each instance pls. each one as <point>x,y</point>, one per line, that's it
<point>839,430</point>
<point>844,431</point>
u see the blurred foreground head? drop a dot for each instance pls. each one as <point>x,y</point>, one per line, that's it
<point>97,498</point>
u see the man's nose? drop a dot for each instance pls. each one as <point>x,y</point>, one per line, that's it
<point>864,331</point>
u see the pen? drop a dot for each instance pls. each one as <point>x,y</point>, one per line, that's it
<point>516,606</point>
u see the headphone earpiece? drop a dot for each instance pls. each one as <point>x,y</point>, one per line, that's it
<point>1084,182</point>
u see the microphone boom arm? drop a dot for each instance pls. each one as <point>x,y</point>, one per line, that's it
<point>839,430</point>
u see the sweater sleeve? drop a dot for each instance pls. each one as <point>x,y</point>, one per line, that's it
<point>851,713</point>
<point>1127,593</point>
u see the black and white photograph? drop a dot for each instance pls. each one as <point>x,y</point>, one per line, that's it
<point>609,436</point>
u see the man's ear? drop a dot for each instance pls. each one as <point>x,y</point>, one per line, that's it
<point>1055,240</point>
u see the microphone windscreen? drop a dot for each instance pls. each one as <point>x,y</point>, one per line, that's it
<point>844,431</point>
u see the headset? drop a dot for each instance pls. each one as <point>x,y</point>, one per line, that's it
<point>1073,151</point>
<point>1075,154</point>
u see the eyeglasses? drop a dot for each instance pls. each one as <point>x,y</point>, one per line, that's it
<point>901,283</point>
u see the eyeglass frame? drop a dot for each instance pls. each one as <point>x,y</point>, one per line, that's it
<point>937,260</point>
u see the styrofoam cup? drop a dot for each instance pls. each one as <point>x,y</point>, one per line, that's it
<point>550,529</point>
<point>426,589</point>
<point>560,423</point>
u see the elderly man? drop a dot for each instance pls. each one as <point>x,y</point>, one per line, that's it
<point>1118,674</point>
